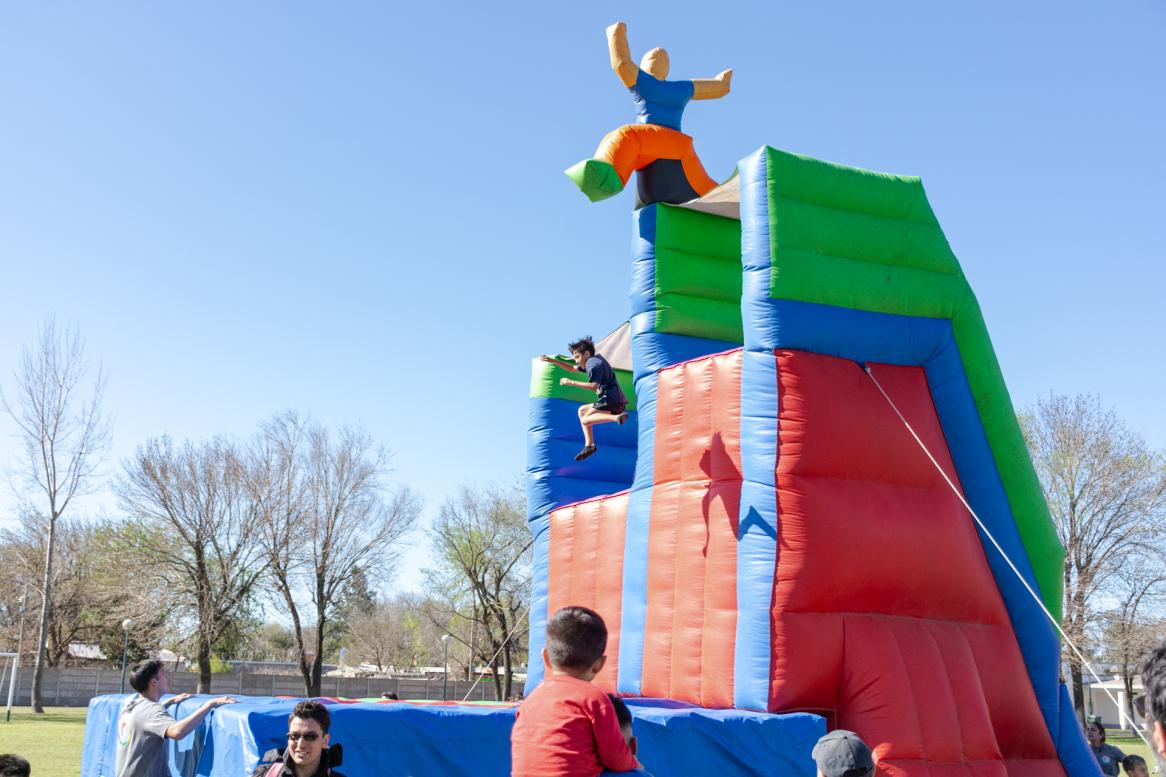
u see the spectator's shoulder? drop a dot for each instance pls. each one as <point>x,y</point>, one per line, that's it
<point>271,757</point>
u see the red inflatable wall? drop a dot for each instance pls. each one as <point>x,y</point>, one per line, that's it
<point>691,622</point>
<point>586,567</point>
<point>886,617</point>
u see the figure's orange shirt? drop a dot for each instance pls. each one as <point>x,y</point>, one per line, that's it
<point>567,728</point>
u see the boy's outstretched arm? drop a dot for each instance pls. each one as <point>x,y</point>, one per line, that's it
<point>712,88</point>
<point>188,724</point>
<point>564,364</point>
<point>621,54</point>
<point>579,384</point>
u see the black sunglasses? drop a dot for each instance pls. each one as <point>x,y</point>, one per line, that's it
<point>295,736</point>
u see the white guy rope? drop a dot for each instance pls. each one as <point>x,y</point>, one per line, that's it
<point>1036,597</point>
<point>505,642</point>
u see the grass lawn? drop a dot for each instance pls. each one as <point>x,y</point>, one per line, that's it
<point>51,742</point>
<point>1130,746</point>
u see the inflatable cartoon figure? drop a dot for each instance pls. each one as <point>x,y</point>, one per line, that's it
<point>669,169</point>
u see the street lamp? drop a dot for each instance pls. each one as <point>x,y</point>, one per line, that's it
<point>445,667</point>
<point>126,625</point>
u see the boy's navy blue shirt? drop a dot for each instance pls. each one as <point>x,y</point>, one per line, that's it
<point>600,373</point>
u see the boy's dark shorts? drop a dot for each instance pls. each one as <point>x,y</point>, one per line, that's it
<point>614,409</point>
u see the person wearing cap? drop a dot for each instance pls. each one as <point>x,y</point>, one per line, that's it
<point>842,753</point>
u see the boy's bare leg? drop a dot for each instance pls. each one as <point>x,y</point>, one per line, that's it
<point>593,417</point>
<point>588,417</point>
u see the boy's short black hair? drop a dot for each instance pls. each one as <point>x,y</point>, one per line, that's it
<point>576,638</point>
<point>582,344</point>
<point>622,713</point>
<point>143,672</point>
<point>1154,681</point>
<point>14,766</point>
<point>312,710</point>
<point>1131,761</point>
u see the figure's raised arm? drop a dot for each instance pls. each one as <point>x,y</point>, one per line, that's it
<point>712,88</point>
<point>621,55</point>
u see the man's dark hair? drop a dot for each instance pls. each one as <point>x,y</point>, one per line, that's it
<point>576,638</point>
<point>312,710</point>
<point>622,713</point>
<point>582,344</point>
<point>143,672</point>
<point>1130,762</point>
<point>1154,681</point>
<point>14,766</point>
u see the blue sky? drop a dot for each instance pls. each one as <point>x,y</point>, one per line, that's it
<point>358,210</point>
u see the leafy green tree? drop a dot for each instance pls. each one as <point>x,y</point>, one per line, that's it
<point>482,551</point>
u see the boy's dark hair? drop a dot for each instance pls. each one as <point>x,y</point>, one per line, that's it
<point>312,710</point>
<point>622,713</point>
<point>143,672</point>
<point>14,766</point>
<point>576,638</point>
<point>1154,681</point>
<point>582,344</point>
<point>858,773</point>
<point>1131,761</point>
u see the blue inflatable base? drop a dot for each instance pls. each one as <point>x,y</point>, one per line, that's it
<point>400,738</point>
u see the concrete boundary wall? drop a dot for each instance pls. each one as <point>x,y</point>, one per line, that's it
<point>75,687</point>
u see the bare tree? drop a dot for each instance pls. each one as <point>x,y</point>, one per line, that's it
<point>1107,494</point>
<point>1136,624</point>
<point>390,635</point>
<point>327,516</point>
<point>95,586</point>
<point>73,601</point>
<point>201,531</point>
<point>482,549</point>
<point>58,412</point>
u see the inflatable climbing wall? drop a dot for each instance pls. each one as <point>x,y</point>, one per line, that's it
<point>781,527</point>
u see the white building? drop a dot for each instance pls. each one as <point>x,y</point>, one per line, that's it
<point>1098,702</point>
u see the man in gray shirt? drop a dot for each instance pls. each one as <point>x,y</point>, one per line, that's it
<point>144,725</point>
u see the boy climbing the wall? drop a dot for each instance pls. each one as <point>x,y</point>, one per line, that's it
<point>567,727</point>
<point>610,401</point>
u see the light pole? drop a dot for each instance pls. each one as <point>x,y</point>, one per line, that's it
<point>445,667</point>
<point>126,625</point>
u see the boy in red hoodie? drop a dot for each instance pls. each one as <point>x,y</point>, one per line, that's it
<point>567,727</point>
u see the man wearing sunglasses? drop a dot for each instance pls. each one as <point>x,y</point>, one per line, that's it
<point>308,753</point>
